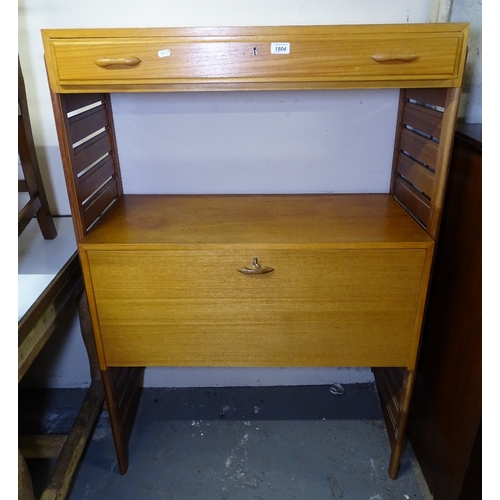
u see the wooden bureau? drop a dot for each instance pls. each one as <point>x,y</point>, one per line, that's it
<point>257,280</point>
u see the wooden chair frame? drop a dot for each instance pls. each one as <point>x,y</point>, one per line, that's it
<point>32,183</point>
<point>39,323</point>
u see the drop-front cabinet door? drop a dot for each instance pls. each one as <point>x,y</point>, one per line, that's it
<point>315,308</point>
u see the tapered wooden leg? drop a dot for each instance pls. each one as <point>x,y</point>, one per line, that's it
<point>395,387</point>
<point>123,388</point>
<point>398,447</point>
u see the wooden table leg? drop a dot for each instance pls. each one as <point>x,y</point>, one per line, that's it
<point>24,484</point>
<point>74,443</point>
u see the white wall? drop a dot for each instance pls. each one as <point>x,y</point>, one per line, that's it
<point>471,110</point>
<point>360,108</point>
<point>256,142</point>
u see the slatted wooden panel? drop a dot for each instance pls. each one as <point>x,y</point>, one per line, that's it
<point>417,158</point>
<point>424,137</point>
<point>90,158</point>
<point>123,385</point>
<point>390,398</point>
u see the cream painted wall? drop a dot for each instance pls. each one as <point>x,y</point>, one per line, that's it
<point>34,15</point>
<point>471,103</point>
<point>256,142</point>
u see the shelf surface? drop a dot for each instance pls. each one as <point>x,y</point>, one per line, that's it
<point>269,220</point>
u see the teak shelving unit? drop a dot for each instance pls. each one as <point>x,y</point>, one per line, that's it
<point>350,273</point>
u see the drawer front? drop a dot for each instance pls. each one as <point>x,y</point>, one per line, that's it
<point>317,308</point>
<point>340,57</point>
<point>367,55</point>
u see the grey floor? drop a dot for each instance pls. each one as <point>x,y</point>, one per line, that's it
<point>276,443</point>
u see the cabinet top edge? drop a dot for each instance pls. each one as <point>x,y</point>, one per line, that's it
<point>257,30</point>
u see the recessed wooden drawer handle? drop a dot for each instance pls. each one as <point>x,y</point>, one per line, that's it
<point>118,62</point>
<point>394,58</point>
<point>256,269</point>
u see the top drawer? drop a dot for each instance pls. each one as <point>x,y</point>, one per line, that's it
<point>254,58</point>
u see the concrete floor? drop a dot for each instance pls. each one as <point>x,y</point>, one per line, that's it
<point>276,443</point>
